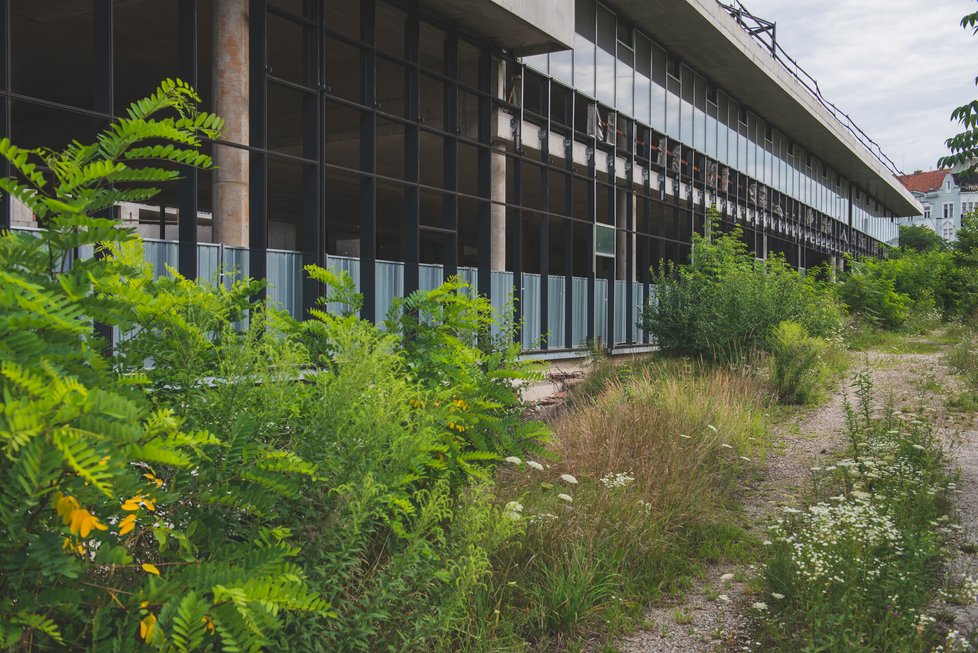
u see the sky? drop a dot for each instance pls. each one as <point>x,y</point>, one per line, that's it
<point>897,67</point>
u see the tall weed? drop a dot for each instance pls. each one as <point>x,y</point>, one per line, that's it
<point>641,495</point>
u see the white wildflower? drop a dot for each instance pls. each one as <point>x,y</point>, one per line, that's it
<point>777,596</point>
<point>616,480</point>
<point>724,598</point>
<point>535,465</point>
<point>760,605</point>
<point>565,497</point>
<point>726,446</point>
<point>513,460</point>
<point>711,427</point>
<point>567,478</point>
<point>726,577</point>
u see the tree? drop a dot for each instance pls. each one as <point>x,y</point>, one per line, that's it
<point>964,146</point>
<point>920,238</point>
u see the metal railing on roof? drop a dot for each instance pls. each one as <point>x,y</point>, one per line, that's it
<point>765,32</point>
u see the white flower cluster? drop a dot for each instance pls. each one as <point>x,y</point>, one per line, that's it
<point>954,642</point>
<point>513,510</point>
<point>616,480</point>
<point>827,540</point>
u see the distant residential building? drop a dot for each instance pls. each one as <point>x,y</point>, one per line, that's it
<point>945,196</point>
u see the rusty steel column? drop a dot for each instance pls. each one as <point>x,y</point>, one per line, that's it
<point>230,77</point>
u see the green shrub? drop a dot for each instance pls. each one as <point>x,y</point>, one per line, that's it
<point>121,522</point>
<point>725,303</point>
<point>230,478</point>
<point>796,367</point>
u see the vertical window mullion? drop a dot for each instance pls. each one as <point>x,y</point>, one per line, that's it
<point>450,158</point>
<point>313,252</point>
<point>484,172</point>
<point>412,155</point>
<point>368,143</point>
<point>544,144</point>
<point>187,200</point>
<point>5,109</point>
<point>258,135</point>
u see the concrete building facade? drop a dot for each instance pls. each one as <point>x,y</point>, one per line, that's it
<point>554,151</point>
<point>945,197</point>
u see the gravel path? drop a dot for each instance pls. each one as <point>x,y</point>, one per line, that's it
<point>710,617</point>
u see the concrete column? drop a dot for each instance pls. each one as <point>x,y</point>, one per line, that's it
<point>230,91</point>
<point>498,258</point>
<point>833,267</point>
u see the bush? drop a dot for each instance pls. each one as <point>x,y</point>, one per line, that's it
<point>230,478</point>
<point>796,367</point>
<point>726,303</point>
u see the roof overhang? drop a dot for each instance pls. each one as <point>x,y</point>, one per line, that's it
<point>708,39</point>
<point>523,27</point>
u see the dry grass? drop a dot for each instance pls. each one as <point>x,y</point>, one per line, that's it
<point>602,556</point>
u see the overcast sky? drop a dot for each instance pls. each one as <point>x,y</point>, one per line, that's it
<point>897,67</point>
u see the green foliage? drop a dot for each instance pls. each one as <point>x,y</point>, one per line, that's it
<point>963,146</point>
<point>856,569</point>
<point>919,238</point>
<point>869,291</point>
<point>726,303</point>
<point>161,496</point>
<point>797,371</point>
<point>113,530</point>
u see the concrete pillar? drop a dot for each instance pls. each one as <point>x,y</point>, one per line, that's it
<point>764,247</point>
<point>230,90</point>
<point>833,267</point>
<point>498,213</point>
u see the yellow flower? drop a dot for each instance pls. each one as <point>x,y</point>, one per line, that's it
<point>73,547</point>
<point>208,624</point>
<point>104,460</point>
<point>127,524</point>
<point>133,503</point>
<point>64,507</point>
<point>82,522</point>
<point>147,627</point>
<point>157,481</point>
<point>150,569</point>
<point>139,501</point>
<point>144,604</point>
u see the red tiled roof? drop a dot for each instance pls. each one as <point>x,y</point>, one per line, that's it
<point>922,182</point>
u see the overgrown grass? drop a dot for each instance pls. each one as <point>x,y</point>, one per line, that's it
<point>862,336</point>
<point>644,493</point>
<point>854,570</point>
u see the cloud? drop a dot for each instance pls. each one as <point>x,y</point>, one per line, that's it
<point>897,67</point>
